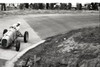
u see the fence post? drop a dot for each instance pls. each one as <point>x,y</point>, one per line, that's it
<point>36,59</point>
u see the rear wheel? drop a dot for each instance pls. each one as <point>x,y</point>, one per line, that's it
<point>4,31</point>
<point>17,45</point>
<point>26,36</point>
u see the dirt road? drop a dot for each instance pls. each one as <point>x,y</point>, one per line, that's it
<point>51,25</point>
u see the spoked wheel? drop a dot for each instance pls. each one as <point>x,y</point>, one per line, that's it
<point>26,36</point>
<point>17,45</point>
<point>4,31</point>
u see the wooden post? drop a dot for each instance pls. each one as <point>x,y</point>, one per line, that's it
<point>26,63</point>
<point>35,60</point>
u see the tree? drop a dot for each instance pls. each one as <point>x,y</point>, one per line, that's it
<point>47,5</point>
<point>96,6</point>
<point>22,6</point>
<point>52,5</point>
<point>26,5</point>
<point>35,6</point>
<point>41,5</point>
<point>79,6</point>
<point>63,6</point>
<point>69,6</point>
<point>3,7</point>
<point>93,6</point>
<point>31,5</point>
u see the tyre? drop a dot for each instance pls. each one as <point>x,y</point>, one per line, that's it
<point>26,36</point>
<point>4,31</point>
<point>17,45</point>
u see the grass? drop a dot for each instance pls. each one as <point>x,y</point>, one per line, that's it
<point>51,57</point>
<point>47,50</point>
<point>29,11</point>
<point>90,35</point>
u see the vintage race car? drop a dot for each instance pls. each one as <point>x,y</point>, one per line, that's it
<point>10,37</point>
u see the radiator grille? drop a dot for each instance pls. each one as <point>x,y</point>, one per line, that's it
<point>4,43</point>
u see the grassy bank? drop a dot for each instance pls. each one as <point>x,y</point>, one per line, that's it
<point>76,48</point>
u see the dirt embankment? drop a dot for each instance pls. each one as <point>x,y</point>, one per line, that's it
<point>77,48</point>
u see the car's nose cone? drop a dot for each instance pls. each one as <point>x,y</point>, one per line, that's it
<point>4,43</point>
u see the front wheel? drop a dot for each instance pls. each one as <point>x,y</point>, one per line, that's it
<point>17,45</point>
<point>26,36</point>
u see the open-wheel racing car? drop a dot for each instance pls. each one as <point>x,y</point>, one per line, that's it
<point>10,37</point>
